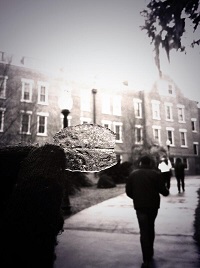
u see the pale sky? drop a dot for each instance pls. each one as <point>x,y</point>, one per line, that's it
<point>94,39</point>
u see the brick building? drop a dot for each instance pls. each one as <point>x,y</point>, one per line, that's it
<point>170,117</point>
<point>32,95</point>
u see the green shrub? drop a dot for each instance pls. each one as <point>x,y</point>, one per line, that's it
<point>11,158</point>
<point>74,181</point>
<point>33,218</point>
<point>105,181</point>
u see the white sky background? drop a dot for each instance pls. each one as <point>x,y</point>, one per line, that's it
<point>94,40</point>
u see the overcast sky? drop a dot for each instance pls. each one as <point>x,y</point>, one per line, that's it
<point>94,39</point>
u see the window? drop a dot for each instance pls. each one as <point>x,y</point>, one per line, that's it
<point>183,137</point>
<point>42,93</point>
<point>3,81</point>
<point>106,123</point>
<point>85,120</point>
<point>194,124</point>
<point>156,134</point>
<point>168,112</point>
<point>106,104</point>
<point>85,100</point>
<point>170,135</point>
<point>2,111</point>
<point>137,108</point>
<point>42,124</point>
<point>117,105</point>
<point>138,134</point>
<point>170,89</point>
<point>27,87</point>
<point>25,122</point>
<point>166,88</point>
<point>196,148</point>
<point>185,162</point>
<point>2,56</point>
<point>181,113</point>
<point>118,131</point>
<point>156,109</point>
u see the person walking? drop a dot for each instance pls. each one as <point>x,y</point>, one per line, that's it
<point>179,170</point>
<point>165,168</point>
<point>144,185</point>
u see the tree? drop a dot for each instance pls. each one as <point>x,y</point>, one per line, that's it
<point>165,23</point>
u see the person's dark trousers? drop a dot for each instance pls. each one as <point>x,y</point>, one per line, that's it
<point>167,179</point>
<point>180,182</point>
<point>146,219</point>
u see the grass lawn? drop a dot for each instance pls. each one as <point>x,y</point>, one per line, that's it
<point>90,196</point>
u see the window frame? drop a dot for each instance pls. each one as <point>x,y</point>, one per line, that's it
<point>118,124</point>
<point>158,128</point>
<point>3,86</point>
<point>137,104</point>
<point>139,128</point>
<point>106,122</point>
<point>170,106</point>
<point>184,137</point>
<point>31,83</point>
<point>181,116</point>
<point>196,148</point>
<point>40,85</point>
<point>194,123</point>
<point>170,137</point>
<point>45,115</point>
<point>155,109</point>
<point>2,117</point>
<point>85,120</point>
<point>29,114</point>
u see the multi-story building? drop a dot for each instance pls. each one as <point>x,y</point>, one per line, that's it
<point>173,120</point>
<point>32,97</point>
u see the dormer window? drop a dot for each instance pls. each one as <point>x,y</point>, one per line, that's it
<point>166,88</point>
<point>170,90</point>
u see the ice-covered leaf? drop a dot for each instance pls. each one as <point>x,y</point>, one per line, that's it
<point>87,147</point>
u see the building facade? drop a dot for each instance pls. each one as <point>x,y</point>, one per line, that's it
<point>32,98</point>
<point>173,121</point>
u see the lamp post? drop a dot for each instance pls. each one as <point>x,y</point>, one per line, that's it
<point>168,142</point>
<point>65,113</point>
<point>94,91</point>
<point>65,103</point>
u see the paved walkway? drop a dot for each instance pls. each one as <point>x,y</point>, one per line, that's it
<point>107,235</point>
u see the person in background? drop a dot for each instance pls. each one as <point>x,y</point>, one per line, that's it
<point>165,168</point>
<point>179,170</point>
<point>144,185</point>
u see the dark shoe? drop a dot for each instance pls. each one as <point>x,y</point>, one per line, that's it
<point>145,264</point>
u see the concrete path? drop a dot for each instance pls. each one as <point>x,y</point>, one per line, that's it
<point>107,235</point>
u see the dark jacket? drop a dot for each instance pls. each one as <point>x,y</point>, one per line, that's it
<point>179,170</point>
<point>144,186</point>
